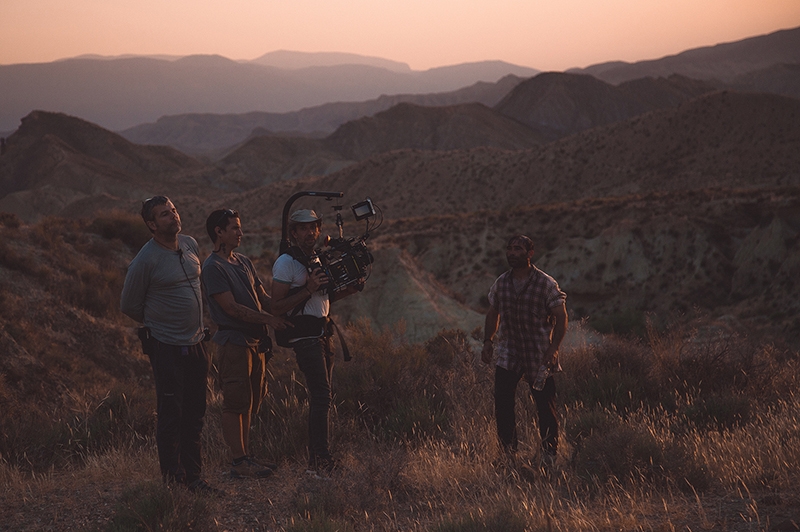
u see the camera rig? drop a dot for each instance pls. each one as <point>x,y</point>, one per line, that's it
<point>345,261</point>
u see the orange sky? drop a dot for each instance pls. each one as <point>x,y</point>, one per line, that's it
<point>543,34</point>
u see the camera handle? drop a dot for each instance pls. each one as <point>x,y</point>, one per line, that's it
<point>285,243</point>
<point>339,221</point>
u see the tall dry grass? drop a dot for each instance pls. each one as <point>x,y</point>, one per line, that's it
<point>686,428</point>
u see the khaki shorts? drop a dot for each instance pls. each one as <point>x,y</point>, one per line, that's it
<point>242,374</point>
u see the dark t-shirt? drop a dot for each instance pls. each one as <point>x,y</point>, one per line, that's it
<point>220,276</point>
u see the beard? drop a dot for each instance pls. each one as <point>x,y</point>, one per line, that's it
<point>517,262</point>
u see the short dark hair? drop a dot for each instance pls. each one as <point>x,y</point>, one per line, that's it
<point>148,205</point>
<point>526,241</point>
<point>219,218</point>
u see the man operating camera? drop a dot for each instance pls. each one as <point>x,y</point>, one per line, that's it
<point>303,297</point>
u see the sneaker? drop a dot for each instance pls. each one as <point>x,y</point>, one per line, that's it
<point>202,487</point>
<point>267,465</point>
<point>249,468</point>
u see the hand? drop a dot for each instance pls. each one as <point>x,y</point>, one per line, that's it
<point>278,323</point>
<point>550,359</point>
<point>316,279</point>
<point>487,352</point>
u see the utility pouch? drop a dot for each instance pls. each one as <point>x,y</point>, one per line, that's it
<point>148,342</point>
<point>304,327</point>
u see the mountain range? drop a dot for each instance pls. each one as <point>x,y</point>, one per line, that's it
<point>661,196</point>
<point>767,63</point>
<point>121,93</point>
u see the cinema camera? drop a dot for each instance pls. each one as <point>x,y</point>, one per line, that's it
<point>345,261</point>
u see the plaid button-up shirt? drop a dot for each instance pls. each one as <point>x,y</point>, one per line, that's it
<point>526,323</point>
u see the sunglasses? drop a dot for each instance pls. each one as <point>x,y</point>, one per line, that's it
<point>224,215</point>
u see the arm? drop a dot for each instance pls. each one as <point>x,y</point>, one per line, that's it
<point>243,313</point>
<point>133,293</point>
<point>282,302</point>
<point>264,299</point>
<point>489,328</point>
<point>560,329</point>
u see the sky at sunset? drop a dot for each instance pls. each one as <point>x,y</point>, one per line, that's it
<point>543,34</point>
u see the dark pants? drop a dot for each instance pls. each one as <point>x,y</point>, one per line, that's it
<point>180,374</point>
<point>316,364</point>
<point>505,388</point>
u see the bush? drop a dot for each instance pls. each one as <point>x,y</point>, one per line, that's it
<point>10,220</point>
<point>125,227</point>
<point>153,506</point>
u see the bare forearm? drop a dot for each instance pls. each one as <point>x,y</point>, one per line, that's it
<point>491,324</point>
<point>283,305</point>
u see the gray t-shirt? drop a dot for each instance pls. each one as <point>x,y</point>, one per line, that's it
<point>162,290</point>
<point>241,280</point>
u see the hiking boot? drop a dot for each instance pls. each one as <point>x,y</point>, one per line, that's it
<point>249,468</point>
<point>266,465</point>
<point>201,487</point>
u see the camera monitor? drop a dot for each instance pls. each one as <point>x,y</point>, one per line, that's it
<point>363,210</point>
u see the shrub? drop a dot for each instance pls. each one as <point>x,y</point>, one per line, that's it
<point>126,227</point>
<point>10,220</point>
<point>153,506</point>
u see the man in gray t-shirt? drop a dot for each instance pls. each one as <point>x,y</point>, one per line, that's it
<point>162,291</point>
<point>239,306</point>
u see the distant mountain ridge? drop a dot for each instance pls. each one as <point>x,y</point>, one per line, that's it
<point>211,133</point>
<point>120,93</point>
<point>291,60</point>
<point>723,62</point>
<point>556,105</point>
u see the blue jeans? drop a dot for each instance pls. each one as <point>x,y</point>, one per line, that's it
<point>181,374</point>
<point>505,389</point>
<point>316,364</point>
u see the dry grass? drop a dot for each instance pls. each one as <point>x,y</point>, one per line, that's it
<point>434,464</point>
<point>687,429</point>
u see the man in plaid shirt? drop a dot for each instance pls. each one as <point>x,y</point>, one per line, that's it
<point>529,308</point>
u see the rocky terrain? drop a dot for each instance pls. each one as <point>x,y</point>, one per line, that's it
<point>653,198</point>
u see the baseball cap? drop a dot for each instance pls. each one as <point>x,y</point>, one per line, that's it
<point>304,216</point>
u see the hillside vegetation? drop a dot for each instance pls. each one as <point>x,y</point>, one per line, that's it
<point>683,428</point>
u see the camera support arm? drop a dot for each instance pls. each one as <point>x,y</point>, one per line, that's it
<point>285,243</point>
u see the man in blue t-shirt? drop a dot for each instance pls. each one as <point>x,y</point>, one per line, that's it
<point>239,305</point>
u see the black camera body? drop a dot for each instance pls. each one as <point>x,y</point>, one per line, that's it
<point>345,262</point>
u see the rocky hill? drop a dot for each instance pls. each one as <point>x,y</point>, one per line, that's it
<point>407,126</point>
<point>54,161</point>
<point>724,139</point>
<point>637,216</point>
<point>266,158</point>
<point>557,105</point>
<point>213,133</point>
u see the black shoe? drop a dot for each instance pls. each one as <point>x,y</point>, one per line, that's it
<point>249,468</point>
<point>268,465</point>
<point>201,487</point>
